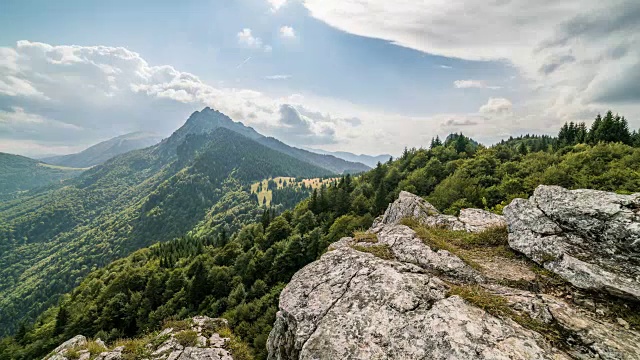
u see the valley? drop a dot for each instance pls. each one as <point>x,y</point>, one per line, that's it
<point>195,240</point>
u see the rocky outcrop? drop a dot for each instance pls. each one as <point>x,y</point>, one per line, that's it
<point>407,247</point>
<point>412,206</point>
<point>198,341</point>
<point>590,238</point>
<point>353,305</point>
<point>394,297</point>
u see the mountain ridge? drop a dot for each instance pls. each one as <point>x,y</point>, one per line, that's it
<point>131,201</point>
<point>105,150</point>
<point>369,160</point>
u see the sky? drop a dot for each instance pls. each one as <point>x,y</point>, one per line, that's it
<point>365,76</point>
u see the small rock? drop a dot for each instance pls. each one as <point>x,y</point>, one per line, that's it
<point>623,323</point>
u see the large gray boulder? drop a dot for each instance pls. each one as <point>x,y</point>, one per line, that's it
<point>390,296</point>
<point>353,305</point>
<point>590,238</point>
<point>412,206</point>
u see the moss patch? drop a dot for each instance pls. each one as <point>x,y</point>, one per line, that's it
<point>380,251</point>
<point>363,236</point>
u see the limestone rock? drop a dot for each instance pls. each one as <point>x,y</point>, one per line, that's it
<point>477,220</point>
<point>352,305</point>
<point>597,338</point>
<point>412,206</point>
<point>209,345</point>
<point>75,341</point>
<point>590,238</point>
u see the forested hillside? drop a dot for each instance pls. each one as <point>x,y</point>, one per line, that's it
<point>19,173</point>
<point>50,241</point>
<point>239,276</point>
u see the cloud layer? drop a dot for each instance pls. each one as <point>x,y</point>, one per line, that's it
<point>62,98</point>
<point>579,56</point>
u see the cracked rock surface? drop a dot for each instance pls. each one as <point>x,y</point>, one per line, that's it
<point>409,205</point>
<point>350,304</point>
<point>590,238</point>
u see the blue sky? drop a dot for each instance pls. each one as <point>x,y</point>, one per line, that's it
<point>404,73</point>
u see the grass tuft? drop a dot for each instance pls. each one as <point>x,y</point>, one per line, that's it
<point>380,251</point>
<point>239,349</point>
<point>363,236</point>
<point>177,325</point>
<point>499,307</point>
<point>133,348</point>
<point>95,349</point>
<point>187,338</point>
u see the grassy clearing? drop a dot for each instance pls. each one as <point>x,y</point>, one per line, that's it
<point>58,167</point>
<point>261,188</point>
<point>363,236</point>
<point>380,251</point>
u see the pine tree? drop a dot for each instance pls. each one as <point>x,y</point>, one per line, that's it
<point>435,142</point>
<point>61,321</point>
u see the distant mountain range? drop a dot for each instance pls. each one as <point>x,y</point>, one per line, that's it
<point>208,120</point>
<point>101,152</point>
<point>369,160</point>
<point>135,199</point>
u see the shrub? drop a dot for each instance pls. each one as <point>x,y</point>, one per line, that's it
<point>187,338</point>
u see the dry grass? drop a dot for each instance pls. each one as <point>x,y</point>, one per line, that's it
<point>499,307</point>
<point>467,246</point>
<point>380,251</point>
<point>290,181</point>
<point>363,236</point>
<point>177,325</point>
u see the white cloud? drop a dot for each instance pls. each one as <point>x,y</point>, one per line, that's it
<point>91,93</point>
<point>469,84</point>
<point>246,38</point>
<point>577,55</point>
<point>445,67</point>
<point>287,32</point>
<point>497,106</point>
<point>276,4</point>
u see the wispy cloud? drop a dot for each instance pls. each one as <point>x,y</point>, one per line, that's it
<point>277,77</point>
<point>471,84</point>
